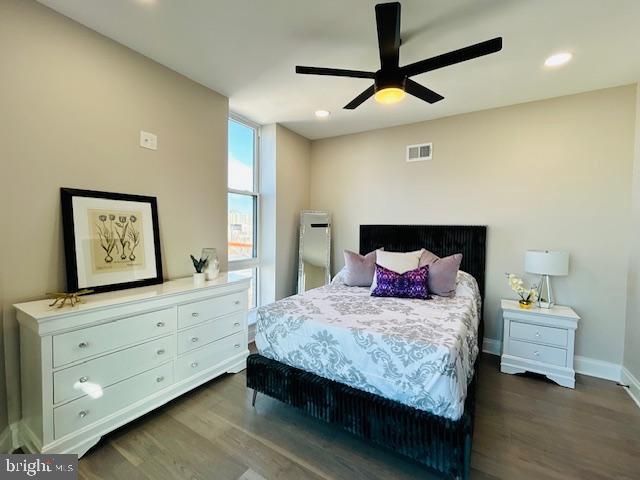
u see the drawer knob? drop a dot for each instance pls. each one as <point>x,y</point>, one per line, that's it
<point>194,364</point>
<point>537,334</point>
<point>237,345</point>
<point>237,302</point>
<point>194,339</point>
<point>83,344</point>
<point>83,379</point>
<point>160,379</point>
<point>536,353</point>
<point>161,351</point>
<point>237,324</point>
<point>160,324</point>
<point>195,314</point>
<point>83,413</point>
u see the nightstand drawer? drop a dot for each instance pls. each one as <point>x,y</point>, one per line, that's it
<point>539,353</point>
<point>538,333</point>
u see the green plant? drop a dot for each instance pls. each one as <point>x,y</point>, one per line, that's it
<point>198,264</point>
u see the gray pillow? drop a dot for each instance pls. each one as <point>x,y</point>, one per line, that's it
<point>442,272</point>
<point>359,269</point>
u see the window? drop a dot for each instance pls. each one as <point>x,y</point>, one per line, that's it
<point>243,200</point>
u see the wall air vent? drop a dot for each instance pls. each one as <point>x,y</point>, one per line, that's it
<point>418,153</point>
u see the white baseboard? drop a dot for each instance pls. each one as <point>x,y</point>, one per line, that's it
<point>492,346</point>
<point>584,365</point>
<point>252,333</point>
<point>597,368</point>
<point>634,385</point>
<point>6,440</point>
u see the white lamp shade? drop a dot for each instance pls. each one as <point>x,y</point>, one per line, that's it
<point>545,262</point>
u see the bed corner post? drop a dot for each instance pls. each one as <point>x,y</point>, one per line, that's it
<point>466,461</point>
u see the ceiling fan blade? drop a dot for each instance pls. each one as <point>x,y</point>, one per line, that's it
<point>423,93</point>
<point>388,22</point>
<point>334,72</point>
<point>461,55</point>
<point>361,98</point>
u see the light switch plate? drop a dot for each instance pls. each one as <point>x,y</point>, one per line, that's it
<point>148,140</point>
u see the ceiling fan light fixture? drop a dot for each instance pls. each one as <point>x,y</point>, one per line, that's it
<point>389,95</point>
<point>392,82</point>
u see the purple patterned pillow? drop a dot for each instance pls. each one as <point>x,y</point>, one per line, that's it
<point>411,284</point>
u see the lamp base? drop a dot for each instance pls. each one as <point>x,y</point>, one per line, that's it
<point>545,299</point>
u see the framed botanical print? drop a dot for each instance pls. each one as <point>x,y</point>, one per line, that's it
<point>111,240</point>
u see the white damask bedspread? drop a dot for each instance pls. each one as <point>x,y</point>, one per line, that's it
<point>418,352</point>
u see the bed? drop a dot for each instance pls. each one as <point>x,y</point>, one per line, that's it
<point>399,372</point>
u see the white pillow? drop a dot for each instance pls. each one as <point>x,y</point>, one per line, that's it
<point>399,262</point>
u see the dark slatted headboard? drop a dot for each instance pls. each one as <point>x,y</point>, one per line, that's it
<point>443,240</point>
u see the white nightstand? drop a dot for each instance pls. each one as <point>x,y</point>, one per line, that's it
<point>539,340</point>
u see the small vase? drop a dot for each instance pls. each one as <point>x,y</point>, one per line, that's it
<point>198,279</point>
<point>212,273</point>
<point>525,304</point>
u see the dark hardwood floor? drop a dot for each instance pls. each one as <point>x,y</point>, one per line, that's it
<point>526,428</point>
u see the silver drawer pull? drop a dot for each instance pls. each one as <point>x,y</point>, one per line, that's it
<point>83,413</point>
<point>195,314</point>
<point>237,324</point>
<point>161,351</point>
<point>159,379</point>
<point>83,379</point>
<point>237,302</point>
<point>194,364</point>
<point>160,324</point>
<point>536,353</point>
<point>83,344</point>
<point>537,334</point>
<point>194,339</point>
<point>237,345</point>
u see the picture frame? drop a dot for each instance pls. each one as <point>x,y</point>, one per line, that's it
<point>111,240</point>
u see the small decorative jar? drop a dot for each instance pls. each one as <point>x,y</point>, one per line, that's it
<point>198,279</point>
<point>213,269</point>
<point>525,304</point>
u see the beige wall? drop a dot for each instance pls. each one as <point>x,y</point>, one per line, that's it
<point>632,336</point>
<point>73,104</point>
<point>293,156</point>
<point>552,174</point>
<point>284,192</point>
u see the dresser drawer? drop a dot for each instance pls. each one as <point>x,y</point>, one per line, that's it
<point>91,377</point>
<point>75,415</point>
<point>539,353</point>
<point>73,346</point>
<point>210,355</point>
<point>208,332</point>
<point>538,333</point>
<point>198,312</point>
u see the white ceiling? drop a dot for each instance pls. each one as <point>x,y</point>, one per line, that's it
<point>247,50</point>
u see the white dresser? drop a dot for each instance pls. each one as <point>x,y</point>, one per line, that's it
<point>539,340</point>
<point>89,369</point>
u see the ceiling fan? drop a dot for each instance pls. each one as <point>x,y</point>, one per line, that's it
<point>392,81</point>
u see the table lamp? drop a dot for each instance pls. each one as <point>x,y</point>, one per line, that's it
<point>546,263</point>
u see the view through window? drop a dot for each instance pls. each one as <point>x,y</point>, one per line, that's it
<point>243,201</point>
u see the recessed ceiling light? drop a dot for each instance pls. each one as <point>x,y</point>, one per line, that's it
<point>322,113</point>
<point>558,59</point>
